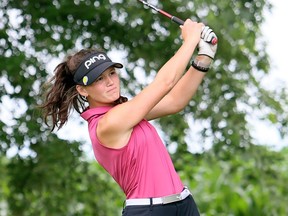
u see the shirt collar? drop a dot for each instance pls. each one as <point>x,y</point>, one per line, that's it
<point>92,112</point>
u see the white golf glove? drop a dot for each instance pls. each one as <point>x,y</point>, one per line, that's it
<point>205,46</point>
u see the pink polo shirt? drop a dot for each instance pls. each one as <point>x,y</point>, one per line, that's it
<point>143,168</point>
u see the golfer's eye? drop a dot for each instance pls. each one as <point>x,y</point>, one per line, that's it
<point>99,79</point>
<point>113,72</point>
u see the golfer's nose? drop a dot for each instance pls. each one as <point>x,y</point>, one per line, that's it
<point>109,81</point>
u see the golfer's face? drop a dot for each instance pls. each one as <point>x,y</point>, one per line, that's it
<point>105,89</point>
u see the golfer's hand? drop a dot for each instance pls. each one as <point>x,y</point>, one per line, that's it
<point>204,46</point>
<point>191,31</point>
<point>208,35</point>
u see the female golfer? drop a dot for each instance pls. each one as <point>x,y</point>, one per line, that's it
<point>123,140</point>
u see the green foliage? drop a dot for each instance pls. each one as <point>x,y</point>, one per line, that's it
<point>44,175</point>
<point>59,182</point>
<point>247,183</point>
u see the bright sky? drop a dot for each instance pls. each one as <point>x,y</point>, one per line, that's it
<point>275,32</point>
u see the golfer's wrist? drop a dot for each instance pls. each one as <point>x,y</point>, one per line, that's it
<point>191,44</point>
<point>202,63</point>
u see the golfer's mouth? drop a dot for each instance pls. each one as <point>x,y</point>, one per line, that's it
<point>112,90</point>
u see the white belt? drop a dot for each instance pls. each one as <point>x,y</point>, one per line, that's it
<point>160,200</point>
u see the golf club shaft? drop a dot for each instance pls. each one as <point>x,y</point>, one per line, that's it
<point>173,18</point>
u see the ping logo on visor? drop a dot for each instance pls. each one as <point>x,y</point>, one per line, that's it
<point>93,59</point>
<point>92,66</point>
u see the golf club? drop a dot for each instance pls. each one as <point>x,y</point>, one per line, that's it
<point>175,19</point>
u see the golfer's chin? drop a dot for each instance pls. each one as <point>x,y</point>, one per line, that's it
<point>114,97</point>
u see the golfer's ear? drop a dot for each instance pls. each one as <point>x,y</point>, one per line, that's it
<point>81,90</point>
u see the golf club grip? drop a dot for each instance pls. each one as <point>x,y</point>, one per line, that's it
<point>177,20</point>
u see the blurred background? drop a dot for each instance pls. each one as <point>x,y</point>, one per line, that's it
<point>229,145</point>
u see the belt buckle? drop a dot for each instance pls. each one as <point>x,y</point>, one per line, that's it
<point>171,198</point>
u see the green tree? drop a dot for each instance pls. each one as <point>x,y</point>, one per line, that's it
<point>46,175</point>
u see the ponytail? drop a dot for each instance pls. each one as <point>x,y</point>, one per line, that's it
<point>61,95</point>
<point>120,100</point>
